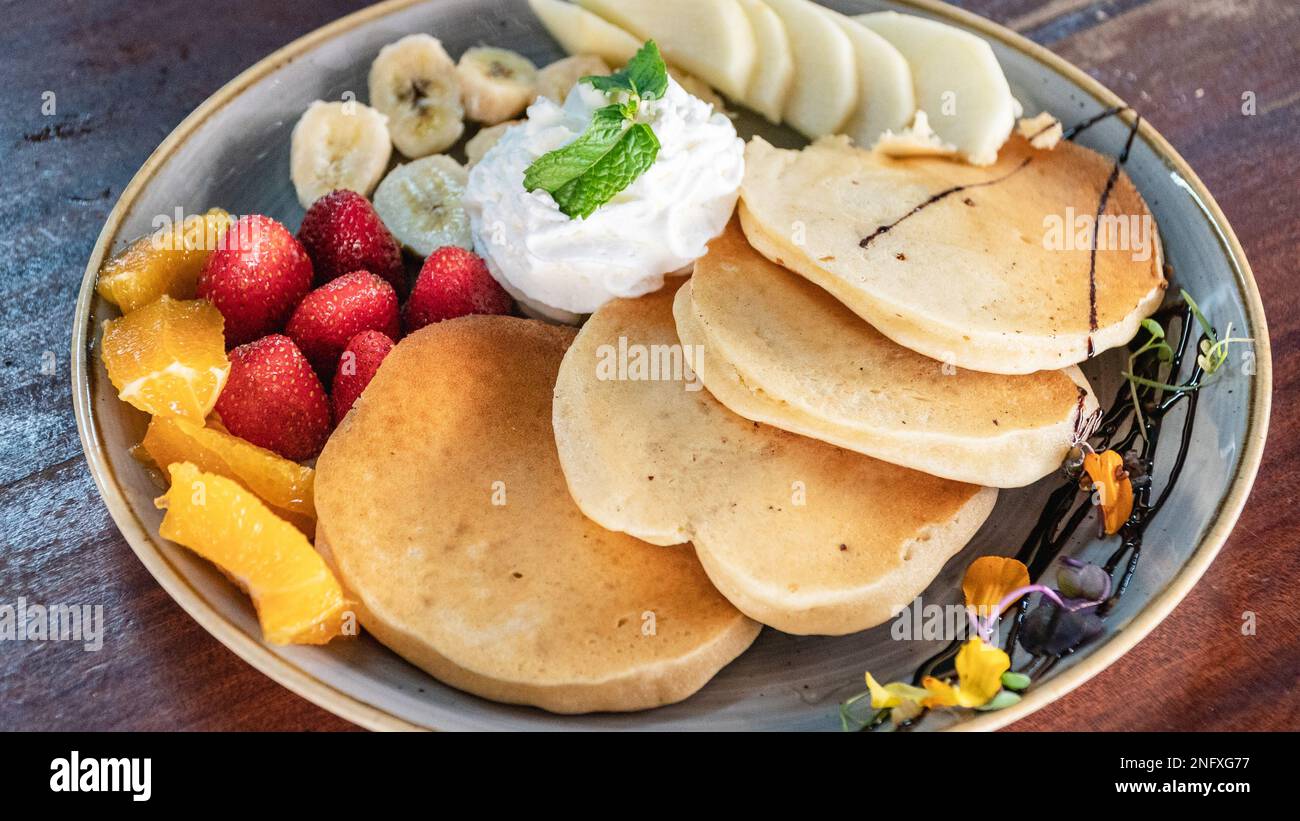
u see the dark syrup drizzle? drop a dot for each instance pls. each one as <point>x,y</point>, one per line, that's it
<point>942,195</point>
<point>1067,507</point>
<point>1119,163</point>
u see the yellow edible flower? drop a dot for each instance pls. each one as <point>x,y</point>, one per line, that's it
<point>892,694</point>
<point>980,666</point>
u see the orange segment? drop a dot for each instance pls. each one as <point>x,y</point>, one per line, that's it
<point>168,358</point>
<point>167,261</point>
<point>298,599</point>
<point>279,482</point>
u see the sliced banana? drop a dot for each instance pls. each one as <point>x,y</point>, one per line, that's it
<point>479,144</point>
<point>415,84</point>
<point>557,79</point>
<point>338,145</point>
<point>495,83</point>
<point>420,202</point>
<point>578,31</point>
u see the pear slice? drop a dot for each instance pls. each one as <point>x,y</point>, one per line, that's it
<point>712,40</point>
<point>825,90</point>
<point>578,31</point>
<point>958,82</point>
<point>774,69</point>
<point>886,101</point>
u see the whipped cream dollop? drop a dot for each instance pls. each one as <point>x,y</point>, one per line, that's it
<point>661,223</point>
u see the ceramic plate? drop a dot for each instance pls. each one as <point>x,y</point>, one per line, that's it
<point>233,151</point>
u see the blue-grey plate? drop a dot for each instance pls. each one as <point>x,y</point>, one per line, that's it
<point>233,151</point>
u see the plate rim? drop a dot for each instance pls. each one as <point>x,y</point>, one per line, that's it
<point>350,707</point>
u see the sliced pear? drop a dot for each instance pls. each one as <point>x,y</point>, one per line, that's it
<point>712,40</point>
<point>774,69</point>
<point>578,31</point>
<point>958,82</point>
<point>886,101</point>
<point>825,90</point>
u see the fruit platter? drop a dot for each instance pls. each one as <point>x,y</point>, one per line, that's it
<point>688,364</point>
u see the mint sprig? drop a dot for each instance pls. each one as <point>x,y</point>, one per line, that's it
<point>614,150</point>
<point>645,75</point>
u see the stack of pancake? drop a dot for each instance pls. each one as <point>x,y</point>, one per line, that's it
<point>881,343</point>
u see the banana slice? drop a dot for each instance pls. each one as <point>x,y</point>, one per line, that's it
<point>479,144</point>
<point>825,90</point>
<point>557,79</point>
<point>495,83</point>
<point>774,66</point>
<point>415,84</point>
<point>578,31</point>
<point>338,145</point>
<point>420,202</point>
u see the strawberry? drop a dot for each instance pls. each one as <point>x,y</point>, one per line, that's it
<point>342,233</point>
<point>274,399</point>
<point>356,367</point>
<point>255,278</point>
<point>337,311</point>
<point>453,282</point>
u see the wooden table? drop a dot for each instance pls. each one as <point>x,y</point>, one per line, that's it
<point>123,74</point>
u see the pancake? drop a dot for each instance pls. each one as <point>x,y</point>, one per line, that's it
<point>800,535</point>
<point>782,351</point>
<point>443,509</point>
<point>961,263</point>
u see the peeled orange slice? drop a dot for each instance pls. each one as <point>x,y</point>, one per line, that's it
<point>167,261</point>
<point>281,483</point>
<point>168,358</point>
<point>298,599</point>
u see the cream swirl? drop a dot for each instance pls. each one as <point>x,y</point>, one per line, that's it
<point>659,224</point>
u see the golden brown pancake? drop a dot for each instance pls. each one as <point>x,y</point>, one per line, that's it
<point>961,263</point>
<point>444,511</point>
<point>782,351</point>
<point>798,534</point>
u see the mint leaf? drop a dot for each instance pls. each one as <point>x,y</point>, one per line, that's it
<point>644,76</point>
<point>616,169</point>
<point>559,167</point>
<point>614,150</point>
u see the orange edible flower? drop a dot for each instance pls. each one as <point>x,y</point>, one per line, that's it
<point>1114,490</point>
<point>989,579</point>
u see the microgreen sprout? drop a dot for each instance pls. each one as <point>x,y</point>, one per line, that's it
<point>1213,354</point>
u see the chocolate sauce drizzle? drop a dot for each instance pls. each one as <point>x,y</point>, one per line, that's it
<point>1119,163</point>
<point>1068,507</point>
<point>1119,429</point>
<point>1069,134</point>
<point>942,195</point>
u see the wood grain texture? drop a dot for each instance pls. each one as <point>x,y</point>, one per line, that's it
<point>124,74</point>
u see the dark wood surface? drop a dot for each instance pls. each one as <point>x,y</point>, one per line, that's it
<point>125,73</point>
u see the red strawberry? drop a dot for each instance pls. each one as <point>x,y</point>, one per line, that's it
<point>356,367</point>
<point>342,233</point>
<point>339,310</point>
<point>274,399</point>
<point>255,278</point>
<point>453,282</point>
